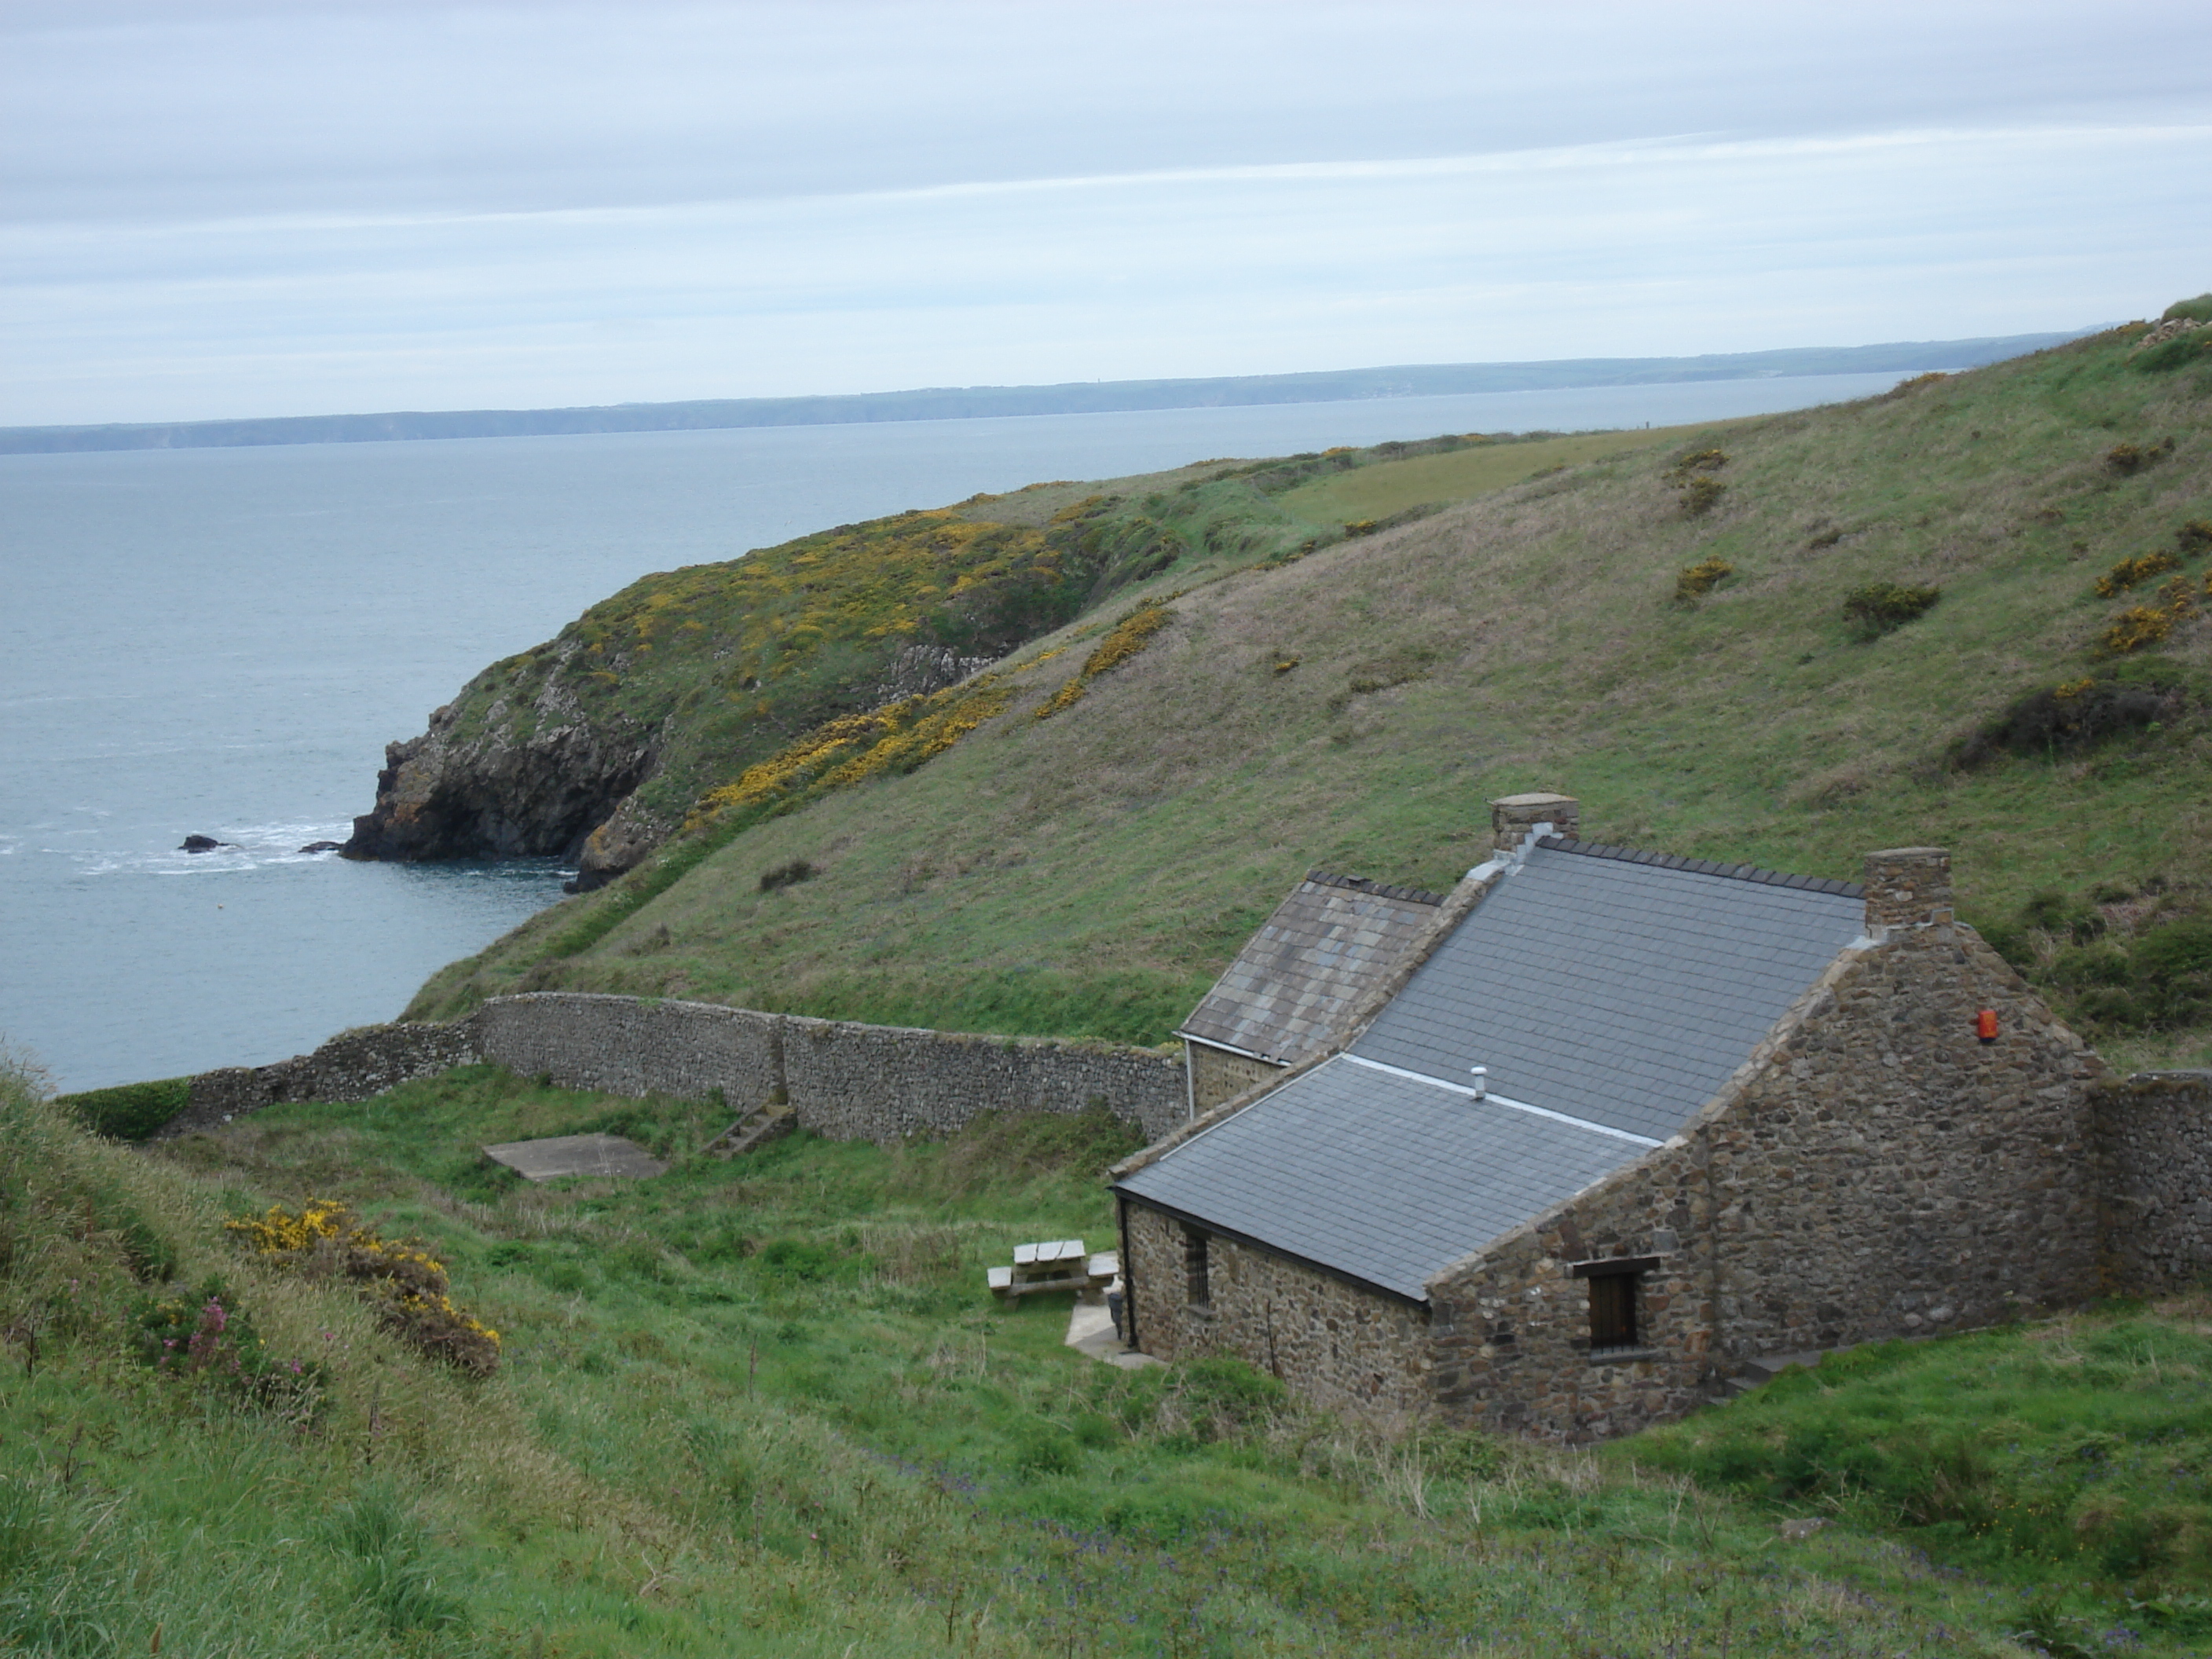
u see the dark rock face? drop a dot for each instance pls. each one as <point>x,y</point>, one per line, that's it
<point>516,767</point>
<point>201,844</point>
<point>509,788</point>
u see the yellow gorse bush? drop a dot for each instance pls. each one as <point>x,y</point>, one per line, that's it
<point>2130,572</point>
<point>1123,640</point>
<point>2138,626</point>
<point>1692,582</point>
<point>405,1283</point>
<point>897,738</point>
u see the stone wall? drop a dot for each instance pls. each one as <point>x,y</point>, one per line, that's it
<point>1341,1346</point>
<point>634,1046</point>
<point>882,1082</point>
<point>846,1081</point>
<point>1216,1075</point>
<point>1889,1174</point>
<point>1872,1171</point>
<point>2154,1146</point>
<point>1511,1329</point>
<point>352,1066</point>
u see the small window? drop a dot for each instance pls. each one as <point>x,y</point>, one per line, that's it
<point>1198,1292</point>
<point>1613,1311</point>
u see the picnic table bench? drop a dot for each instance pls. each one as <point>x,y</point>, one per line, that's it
<point>1059,1264</point>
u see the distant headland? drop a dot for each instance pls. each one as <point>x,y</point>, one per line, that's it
<point>1073,398</point>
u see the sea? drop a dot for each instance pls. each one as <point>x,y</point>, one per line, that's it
<point>221,642</point>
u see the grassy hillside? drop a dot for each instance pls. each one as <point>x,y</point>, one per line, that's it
<point>764,1406</point>
<point>1355,705</point>
<point>595,744</point>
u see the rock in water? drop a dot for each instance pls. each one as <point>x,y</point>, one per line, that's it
<point>201,844</point>
<point>324,846</point>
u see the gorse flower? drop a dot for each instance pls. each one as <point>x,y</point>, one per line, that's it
<point>2129,573</point>
<point>405,1283</point>
<point>1123,640</point>
<point>895,738</point>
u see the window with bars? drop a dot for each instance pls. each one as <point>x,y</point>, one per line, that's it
<point>1197,1291</point>
<point>1613,1312</point>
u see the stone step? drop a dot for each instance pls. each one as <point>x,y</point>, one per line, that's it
<point>755,1128</point>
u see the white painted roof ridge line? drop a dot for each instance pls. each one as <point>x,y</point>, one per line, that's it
<point>1515,1105</point>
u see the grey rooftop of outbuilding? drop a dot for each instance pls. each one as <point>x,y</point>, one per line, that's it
<point>1609,995</point>
<point>1329,944</point>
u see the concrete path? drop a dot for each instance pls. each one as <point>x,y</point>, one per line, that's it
<point>576,1155</point>
<point>1090,1331</point>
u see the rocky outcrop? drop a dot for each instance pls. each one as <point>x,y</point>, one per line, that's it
<point>597,744</point>
<point>630,832</point>
<point>915,671</point>
<point>505,777</point>
<point>507,782</point>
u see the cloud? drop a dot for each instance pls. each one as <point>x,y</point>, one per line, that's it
<point>259,211</point>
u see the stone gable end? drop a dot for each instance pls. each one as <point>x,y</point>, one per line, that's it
<point>1875,1170</point>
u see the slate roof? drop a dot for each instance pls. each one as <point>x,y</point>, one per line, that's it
<point>1334,940</point>
<point>1610,993</point>
<point>1380,1177</point>
<point>1611,989</point>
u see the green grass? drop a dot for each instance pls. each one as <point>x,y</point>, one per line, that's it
<point>1379,490</point>
<point>130,1111</point>
<point>764,1406</point>
<point>2068,1458</point>
<point>1089,874</point>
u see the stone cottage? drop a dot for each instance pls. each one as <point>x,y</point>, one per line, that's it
<point>1560,1153</point>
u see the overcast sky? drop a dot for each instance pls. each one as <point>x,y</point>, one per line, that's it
<point>230,209</point>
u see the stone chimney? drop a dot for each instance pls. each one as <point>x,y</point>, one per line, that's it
<point>1906,887</point>
<point>1511,818</point>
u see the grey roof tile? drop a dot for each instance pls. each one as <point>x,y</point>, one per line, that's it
<point>1613,986</point>
<point>1330,943</point>
<point>1383,1178</point>
<point>1619,991</point>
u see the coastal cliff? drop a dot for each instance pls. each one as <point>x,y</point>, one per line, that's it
<point>594,745</point>
<point>518,769</point>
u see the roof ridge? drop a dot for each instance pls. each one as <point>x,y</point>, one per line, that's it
<point>1706,866</point>
<point>1381,890</point>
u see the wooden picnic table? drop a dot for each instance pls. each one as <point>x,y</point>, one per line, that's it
<point>1057,1264</point>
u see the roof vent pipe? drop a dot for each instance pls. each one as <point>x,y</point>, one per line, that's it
<point>1481,1081</point>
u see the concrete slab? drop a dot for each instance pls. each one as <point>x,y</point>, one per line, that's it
<point>1091,1332</point>
<point>576,1155</point>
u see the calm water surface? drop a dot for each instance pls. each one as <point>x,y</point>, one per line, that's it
<point>221,641</point>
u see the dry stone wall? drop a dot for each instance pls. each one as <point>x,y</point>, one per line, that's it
<point>634,1046</point>
<point>2155,1144</point>
<point>352,1066</point>
<point>1339,1345</point>
<point>883,1082</point>
<point>846,1081</point>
